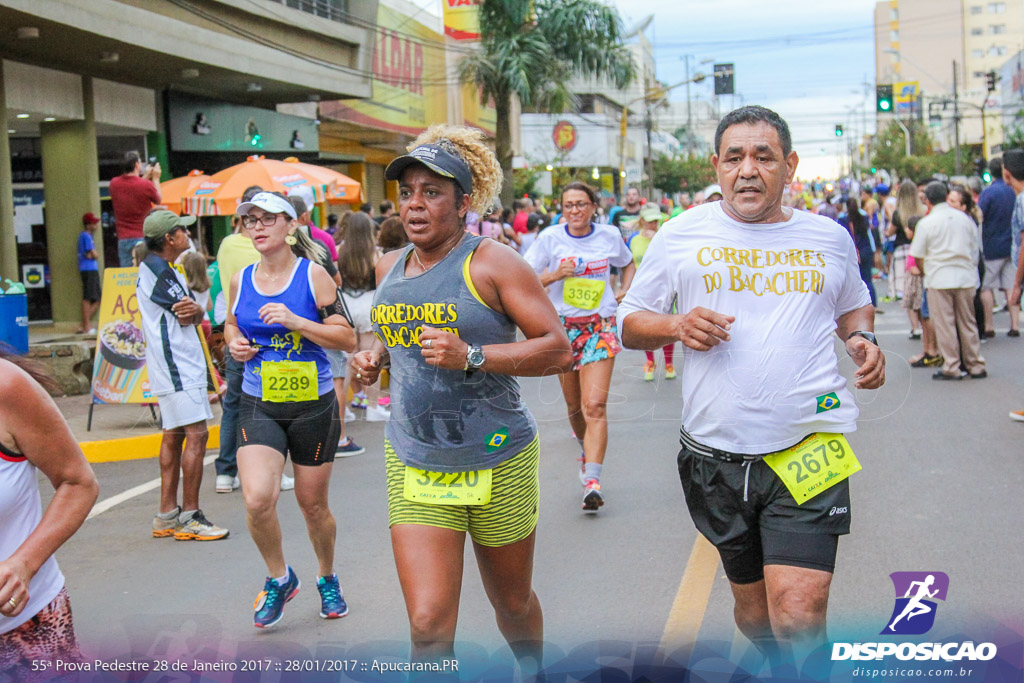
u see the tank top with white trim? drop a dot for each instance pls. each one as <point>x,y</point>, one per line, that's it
<point>447,420</point>
<point>21,510</point>
<point>276,342</point>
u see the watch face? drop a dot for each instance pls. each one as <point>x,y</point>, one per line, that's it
<point>476,357</point>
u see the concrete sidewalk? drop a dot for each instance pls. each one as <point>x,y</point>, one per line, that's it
<point>120,432</point>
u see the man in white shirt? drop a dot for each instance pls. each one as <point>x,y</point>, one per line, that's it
<point>760,290</point>
<point>176,366</point>
<point>948,243</point>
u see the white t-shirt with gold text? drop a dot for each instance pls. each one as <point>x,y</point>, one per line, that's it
<point>777,380</point>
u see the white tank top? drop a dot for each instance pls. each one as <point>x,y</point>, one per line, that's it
<point>20,512</point>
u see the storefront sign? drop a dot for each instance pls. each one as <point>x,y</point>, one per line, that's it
<point>462,19</point>
<point>564,136</point>
<point>200,125</point>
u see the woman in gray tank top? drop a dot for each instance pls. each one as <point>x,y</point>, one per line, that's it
<point>461,446</point>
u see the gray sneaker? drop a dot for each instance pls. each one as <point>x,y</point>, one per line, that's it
<point>163,528</point>
<point>197,528</point>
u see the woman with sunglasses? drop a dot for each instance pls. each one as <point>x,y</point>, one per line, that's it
<point>573,260</point>
<point>284,315</point>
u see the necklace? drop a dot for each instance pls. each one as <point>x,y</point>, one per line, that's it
<point>423,267</point>
<point>275,278</point>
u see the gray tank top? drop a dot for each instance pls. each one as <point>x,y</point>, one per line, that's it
<point>447,420</point>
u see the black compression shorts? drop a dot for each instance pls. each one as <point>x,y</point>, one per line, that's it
<point>308,430</point>
<point>753,520</point>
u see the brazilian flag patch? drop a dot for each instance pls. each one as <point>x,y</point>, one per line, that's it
<point>497,440</point>
<point>827,402</point>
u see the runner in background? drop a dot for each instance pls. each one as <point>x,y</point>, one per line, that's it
<point>647,226</point>
<point>574,262</point>
<point>285,312</point>
<point>236,251</point>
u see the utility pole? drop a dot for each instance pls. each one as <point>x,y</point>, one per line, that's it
<point>956,120</point>
<point>689,118</point>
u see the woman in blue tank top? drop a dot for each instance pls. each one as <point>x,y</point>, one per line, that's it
<point>283,317</point>
<point>461,447</point>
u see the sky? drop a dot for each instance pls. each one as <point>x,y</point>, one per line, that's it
<point>808,60</point>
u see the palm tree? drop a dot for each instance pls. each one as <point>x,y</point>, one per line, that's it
<point>532,49</point>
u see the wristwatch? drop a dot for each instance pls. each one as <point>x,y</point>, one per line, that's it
<point>870,336</point>
<point>474,358</point>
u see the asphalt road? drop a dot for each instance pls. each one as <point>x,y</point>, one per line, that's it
<point>940,491</point>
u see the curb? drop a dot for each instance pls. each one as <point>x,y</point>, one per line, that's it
<point>131,448</point>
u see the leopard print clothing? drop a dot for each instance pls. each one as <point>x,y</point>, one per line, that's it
<point>49,635</point>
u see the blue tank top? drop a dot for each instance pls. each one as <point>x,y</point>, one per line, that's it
<point>276,342</point>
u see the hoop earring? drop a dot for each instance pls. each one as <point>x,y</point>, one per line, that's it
<point>290,239</point>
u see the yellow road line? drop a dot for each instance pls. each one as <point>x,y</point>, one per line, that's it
<point>132,447</point>
<point>687,613</point>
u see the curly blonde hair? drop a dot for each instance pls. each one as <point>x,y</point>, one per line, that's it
<point>470,145</point>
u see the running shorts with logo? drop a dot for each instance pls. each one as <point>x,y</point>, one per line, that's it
<point>307,430</point>
<point>511,515</point>
<point>739,504</point>
<point>592,338</point>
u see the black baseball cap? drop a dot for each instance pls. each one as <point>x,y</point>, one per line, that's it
<point>437,160</point>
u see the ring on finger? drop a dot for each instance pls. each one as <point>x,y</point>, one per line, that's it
<point>427,344</point>
<point>13,603</point>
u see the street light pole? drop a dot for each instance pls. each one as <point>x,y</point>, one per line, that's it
<point>646,97</point>
<point>956,120</point>
<point>689,118</point>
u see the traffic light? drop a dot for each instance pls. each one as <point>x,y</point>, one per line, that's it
<point>839,130</point>
<point>883,98</point>
<point>990,81</point>
<point>981,169</point>
<point>255,139</point>
<point>874,170</point>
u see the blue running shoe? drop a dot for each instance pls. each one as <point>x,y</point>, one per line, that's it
<point>270,602</point>
<point>332,602</point>
<point>349,449</point>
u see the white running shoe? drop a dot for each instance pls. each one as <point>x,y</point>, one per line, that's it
<point>377,414</point>
<point>226,483</point>
<point>349,415</point>
<point>287,483</point>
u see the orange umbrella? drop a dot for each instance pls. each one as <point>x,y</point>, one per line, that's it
<point>346,190</point>
<point>173,190</point>
<point>221,193</point>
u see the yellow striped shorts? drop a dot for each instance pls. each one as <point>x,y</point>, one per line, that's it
<point>511,515</point>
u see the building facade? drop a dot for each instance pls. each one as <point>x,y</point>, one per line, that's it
<point>918,41</point>
<point>81,83</point>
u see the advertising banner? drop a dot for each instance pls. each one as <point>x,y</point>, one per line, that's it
<point>409,79</point>
<point>119,371</point>
<point>462,19</point>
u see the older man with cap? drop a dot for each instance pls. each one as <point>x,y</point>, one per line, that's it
<point>177,377</point>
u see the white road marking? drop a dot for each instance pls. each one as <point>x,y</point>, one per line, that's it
<point>107,503</point>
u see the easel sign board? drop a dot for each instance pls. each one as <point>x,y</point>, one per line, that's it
<point>119,370</point>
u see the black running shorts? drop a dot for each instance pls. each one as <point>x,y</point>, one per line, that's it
<point>752,519</point>
<point>308,430</point>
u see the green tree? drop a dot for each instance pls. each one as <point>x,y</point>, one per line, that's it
<point>890,153</point>
<point>669,172</point>
<point>532,49</point>
<point>1014,137</point>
